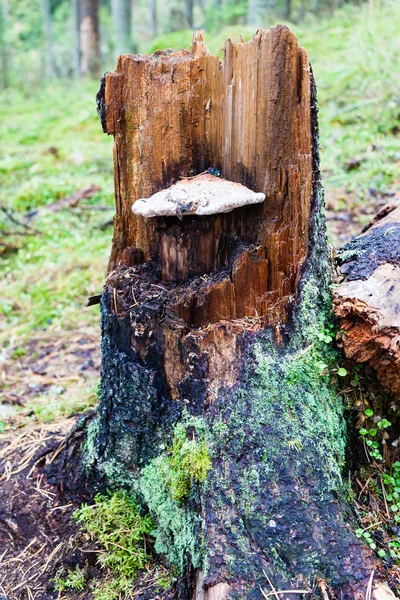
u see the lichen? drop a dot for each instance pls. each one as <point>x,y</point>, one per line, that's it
<point>166,485</point>
<point>88,450</point>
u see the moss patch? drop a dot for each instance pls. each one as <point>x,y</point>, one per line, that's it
<point>167,484</point>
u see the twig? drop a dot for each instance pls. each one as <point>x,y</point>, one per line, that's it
<point>276,592</point>
<point>369,586</point>
<point>384,498</point>
<point>10,215</point>
<point>273,593</point>
<point>92,300</point>
<point>323,588</point>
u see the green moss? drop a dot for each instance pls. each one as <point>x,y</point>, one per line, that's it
<point>166,484</point>
<point>116,524</point>
<point>73,580</point>
<point>188,461</point>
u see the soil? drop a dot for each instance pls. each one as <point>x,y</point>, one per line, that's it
<point>50,364</point>
<point>38,534</point>
<point>346,214</point>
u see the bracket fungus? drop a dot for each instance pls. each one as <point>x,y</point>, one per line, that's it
<point>204,194</point>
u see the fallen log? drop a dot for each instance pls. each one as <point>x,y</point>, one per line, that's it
<point>367,302</point>
<point>214,412</point>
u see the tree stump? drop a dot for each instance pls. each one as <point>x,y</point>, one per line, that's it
<point>213,412</point>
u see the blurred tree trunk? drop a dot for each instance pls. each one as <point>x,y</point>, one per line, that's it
<point>48,34</point>
<point>4,16</point>
<point>189,12</point>
<point>154,18</point>
<point>89,38</point>
<point>75,9</point>
<point>121,11</point>
<point>202,4</point>
<point>288,9</point>
<point>257,10</point>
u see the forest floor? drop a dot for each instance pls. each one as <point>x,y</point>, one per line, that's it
<point>51,261</point>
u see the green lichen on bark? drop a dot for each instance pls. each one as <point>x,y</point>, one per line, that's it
<point>168,485</point>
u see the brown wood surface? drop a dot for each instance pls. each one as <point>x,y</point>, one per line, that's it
<point>176,114</point>
<point>369,308</point>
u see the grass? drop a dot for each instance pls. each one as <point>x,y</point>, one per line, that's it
<point>54,146</point>
<point>49,278</point>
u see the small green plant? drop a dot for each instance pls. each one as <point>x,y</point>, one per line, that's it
<point>385,478</point>
<point>112,588</point>
<point>391,482</point>
<point>115,523</point>
<point>164,579</point>
<point>394,550</point>
<point>370,434</point>
<point>73,580</point>
<point>188,461</point>
<point>366,534</point>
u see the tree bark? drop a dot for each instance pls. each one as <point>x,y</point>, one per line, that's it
<point>89,36</point>
<point>367,303</point>
<point>210,326</point>
<point>4,18</point>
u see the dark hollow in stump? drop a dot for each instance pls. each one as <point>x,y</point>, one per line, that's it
<point>210,327</point>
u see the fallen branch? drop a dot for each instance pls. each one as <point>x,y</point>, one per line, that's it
<point>69,202</point>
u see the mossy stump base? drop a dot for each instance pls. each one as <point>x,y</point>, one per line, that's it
<point>213,411</point>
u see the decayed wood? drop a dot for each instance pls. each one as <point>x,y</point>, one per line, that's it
<point>367,303</point>
<point>248,116</point>
<point>177,114</point>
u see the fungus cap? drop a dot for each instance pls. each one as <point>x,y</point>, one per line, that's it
<point>204,194</point>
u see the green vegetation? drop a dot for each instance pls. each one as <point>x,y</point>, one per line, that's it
<point>116,525</point>
<point>49,278</point>
<point>187,462</point>
<point>53,147</point>
<point>166,484</point>
<point>73,580</point>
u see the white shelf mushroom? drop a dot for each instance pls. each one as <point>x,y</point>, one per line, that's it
<point>204,194</point>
